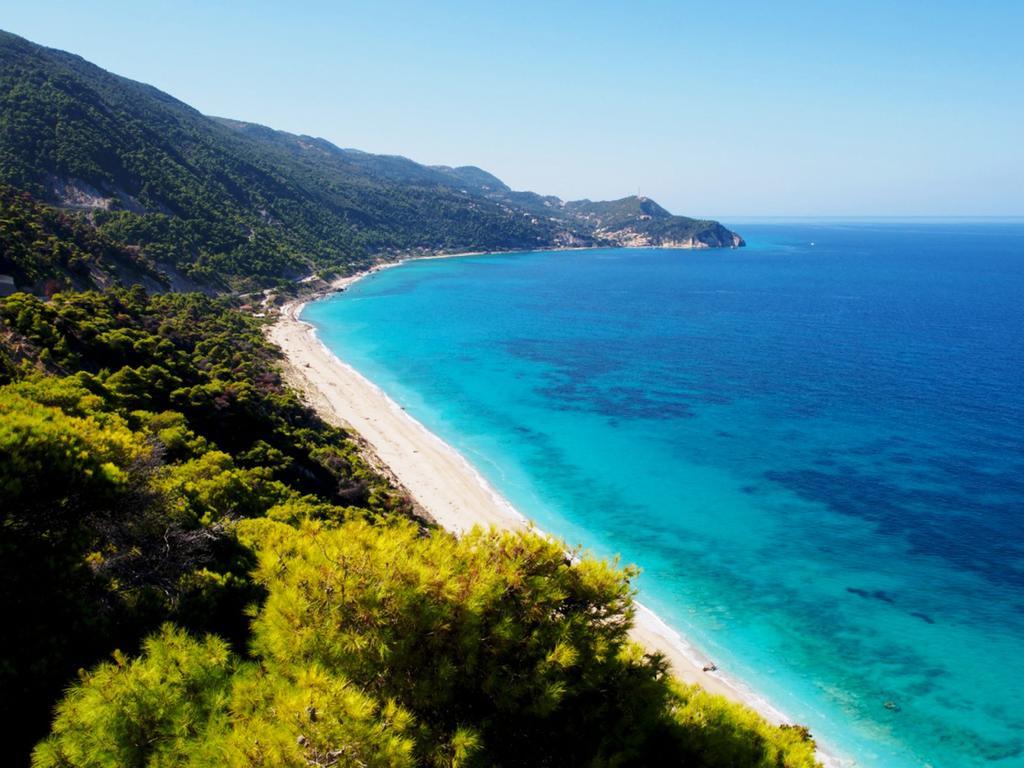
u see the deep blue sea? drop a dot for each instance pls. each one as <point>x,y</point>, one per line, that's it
<point>813,446</point>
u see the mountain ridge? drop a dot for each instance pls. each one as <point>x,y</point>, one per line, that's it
<point>234,205</point>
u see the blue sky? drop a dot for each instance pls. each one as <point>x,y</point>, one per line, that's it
<point>717,109</point>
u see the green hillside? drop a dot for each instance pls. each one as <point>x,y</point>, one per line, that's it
<point>45,249</point>
<point>221,202</point>
<point>232,205</point>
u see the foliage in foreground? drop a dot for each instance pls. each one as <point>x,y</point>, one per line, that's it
<point>380,646</point>
<point>134,432</point>
<point>165,494</point>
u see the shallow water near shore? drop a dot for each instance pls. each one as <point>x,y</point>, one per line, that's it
<point>813,446</point>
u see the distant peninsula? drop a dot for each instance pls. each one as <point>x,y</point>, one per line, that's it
<point>147,189</point>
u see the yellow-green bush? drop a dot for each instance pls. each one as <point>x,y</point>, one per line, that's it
<point>380,645</point>
<point>155,468</point>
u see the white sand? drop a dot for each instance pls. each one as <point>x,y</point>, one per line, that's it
<point>447,487</point>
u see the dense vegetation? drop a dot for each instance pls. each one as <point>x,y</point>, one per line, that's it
<point>134,432</point>
<point>233,205</point>
<point>271,601</point>
<point>223,203</point>
<point>40,244</point>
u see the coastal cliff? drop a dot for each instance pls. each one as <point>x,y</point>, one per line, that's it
<point>640,222</point>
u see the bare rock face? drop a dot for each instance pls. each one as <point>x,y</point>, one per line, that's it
<point>75,193</point>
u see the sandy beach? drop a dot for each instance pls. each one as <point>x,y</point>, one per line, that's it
<point>446,487</point>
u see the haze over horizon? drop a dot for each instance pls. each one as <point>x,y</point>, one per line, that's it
<point>792,110</point>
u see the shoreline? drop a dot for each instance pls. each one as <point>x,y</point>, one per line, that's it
<point>446,488</point>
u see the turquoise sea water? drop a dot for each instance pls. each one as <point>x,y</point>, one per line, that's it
<point>813,446</point>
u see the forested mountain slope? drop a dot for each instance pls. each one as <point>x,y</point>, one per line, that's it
<point>234,205</point>
<point>45,249</point>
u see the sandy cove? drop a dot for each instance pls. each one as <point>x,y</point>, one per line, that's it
<point>443,484</point>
